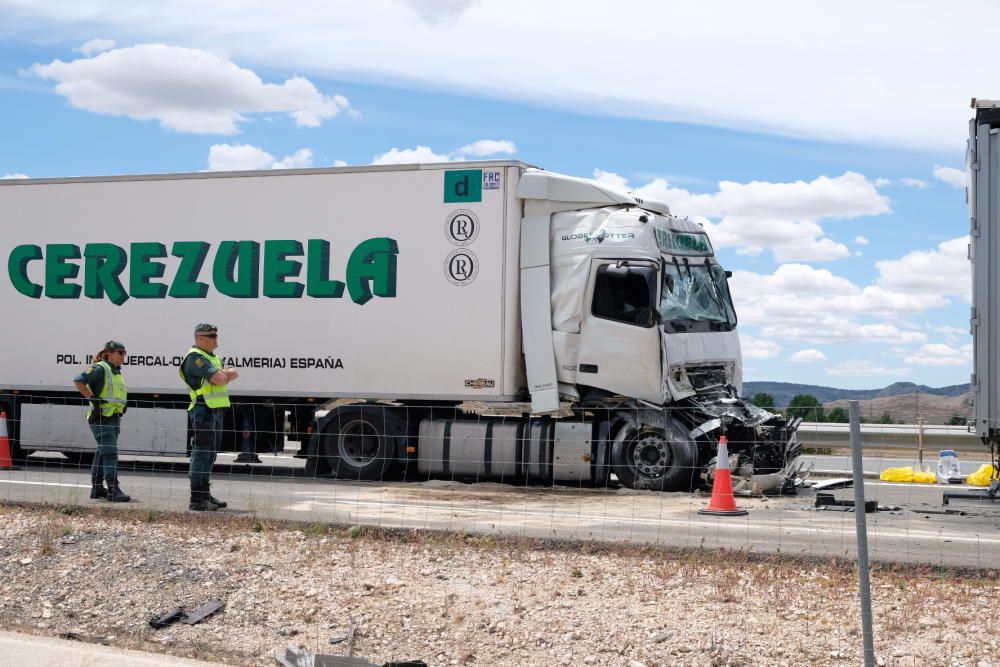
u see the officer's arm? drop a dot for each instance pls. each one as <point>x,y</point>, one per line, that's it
<point>83,389</point>
<point>223,376</point>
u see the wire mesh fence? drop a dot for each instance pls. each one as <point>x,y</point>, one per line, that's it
<point>592,479</point>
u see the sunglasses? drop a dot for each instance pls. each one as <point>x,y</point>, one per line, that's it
<point>209,335</point>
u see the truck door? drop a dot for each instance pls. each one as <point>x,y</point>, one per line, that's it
<point>619,339</point>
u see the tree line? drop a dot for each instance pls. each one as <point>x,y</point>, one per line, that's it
<point>808,408</point>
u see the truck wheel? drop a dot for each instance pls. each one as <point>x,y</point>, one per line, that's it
<point>650,460</point>
<point>357,444</point>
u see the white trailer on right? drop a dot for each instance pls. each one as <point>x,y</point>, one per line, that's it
<point>983,195</point>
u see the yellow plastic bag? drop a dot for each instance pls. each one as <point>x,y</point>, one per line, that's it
<point>982,476</point>
<point>907,474</point>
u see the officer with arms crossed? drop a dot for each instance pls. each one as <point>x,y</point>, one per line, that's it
<point>104,386</point>
<point>208,385</point>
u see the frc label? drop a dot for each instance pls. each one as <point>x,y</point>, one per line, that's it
<point>463,185</point>
<point>491,180</point>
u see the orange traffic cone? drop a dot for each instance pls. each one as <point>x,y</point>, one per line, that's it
<point>6,462</point>
<point>723,503</point>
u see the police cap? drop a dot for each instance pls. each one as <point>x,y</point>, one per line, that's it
<point>205,328</point>
<point>114,345</point>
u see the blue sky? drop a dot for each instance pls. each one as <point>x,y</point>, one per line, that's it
<point>824,152</point>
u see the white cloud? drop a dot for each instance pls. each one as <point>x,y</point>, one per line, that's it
<point>801,303</point>
<point>952,334</point>
<point>906,182</point>
<point>806,356</point>
<point>853,88</point>
<point>96,46</point>
<point>953,177</point>
<point>243,157</point>
<point>300,159</point>
<point>14,175</point>
<point>420,154</point>
<point>945,271</point>
<point>861,240</point>
<point>858,368</point>
<point>939,354</point>
<point>779,217</point>
<point>187,90</point>
<point>485,147</point>
<point>424,154</point>
<point>438,12</point>
<point>755,348</point>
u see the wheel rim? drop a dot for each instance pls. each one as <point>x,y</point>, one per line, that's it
<point>651,455</point>
<point>358,444</point>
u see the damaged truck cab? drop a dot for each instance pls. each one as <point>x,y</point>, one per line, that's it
<point>643,336</point>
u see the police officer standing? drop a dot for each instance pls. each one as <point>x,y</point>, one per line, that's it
<point>104,386</point>
<point>208,385</point>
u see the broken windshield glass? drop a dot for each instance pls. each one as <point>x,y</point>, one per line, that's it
<point>695,297</point>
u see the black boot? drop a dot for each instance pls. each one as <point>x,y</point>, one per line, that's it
<point>215,501</point>
<point>200,501</point>
<point>115,493</point>
<point>97,489</point>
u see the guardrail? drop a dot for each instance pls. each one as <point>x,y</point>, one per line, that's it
<point>891,436</point>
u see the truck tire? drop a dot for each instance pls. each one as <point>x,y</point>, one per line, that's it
<point>648,459</point>
<point>359,443</point>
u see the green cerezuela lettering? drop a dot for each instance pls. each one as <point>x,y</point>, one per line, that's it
<point>277,269</point>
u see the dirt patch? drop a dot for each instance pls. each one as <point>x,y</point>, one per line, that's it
<point>455,599</point>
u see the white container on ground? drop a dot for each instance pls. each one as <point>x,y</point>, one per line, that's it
<point>948,470</point>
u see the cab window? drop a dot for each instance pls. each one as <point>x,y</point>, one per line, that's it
<point>625,294</point>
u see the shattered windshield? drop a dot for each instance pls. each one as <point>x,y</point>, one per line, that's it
<point>695,297</point>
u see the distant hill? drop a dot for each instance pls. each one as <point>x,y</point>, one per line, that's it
<point>784,391</point>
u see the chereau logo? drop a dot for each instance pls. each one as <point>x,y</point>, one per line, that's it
<point>237,270</point>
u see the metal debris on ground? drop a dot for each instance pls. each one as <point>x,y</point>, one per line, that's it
<point>178,614</point>
<point>831,484</point>
<point>166,619</point>
<point>74,636</point>
<point>202,612</point>
<point>296,657</point>
<point>828,501</point>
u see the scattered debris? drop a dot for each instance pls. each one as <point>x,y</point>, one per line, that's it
<point>828,501</point>
<point>296,657</point>
<point>76,637</point>
<point>202,612</point>
<point>831,484</point>
<point>178,614</point>
<point>162,621</point>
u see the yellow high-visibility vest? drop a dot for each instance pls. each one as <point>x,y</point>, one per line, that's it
<point>215,395</point>
<point>113,394</point>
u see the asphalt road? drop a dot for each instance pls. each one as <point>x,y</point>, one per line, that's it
<point>923,530</point>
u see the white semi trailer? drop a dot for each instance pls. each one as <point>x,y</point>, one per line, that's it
<point>600,325</point>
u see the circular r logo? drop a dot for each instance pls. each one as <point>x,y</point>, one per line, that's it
<point>462,227</point>
<point>461,267</point>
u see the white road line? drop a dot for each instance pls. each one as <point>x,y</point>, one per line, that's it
<point>18,481</point>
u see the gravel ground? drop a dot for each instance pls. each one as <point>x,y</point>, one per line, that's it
<point>461,600</point>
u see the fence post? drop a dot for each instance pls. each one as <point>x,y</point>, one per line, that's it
<point>920,442</point>
<point>861,526</point>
